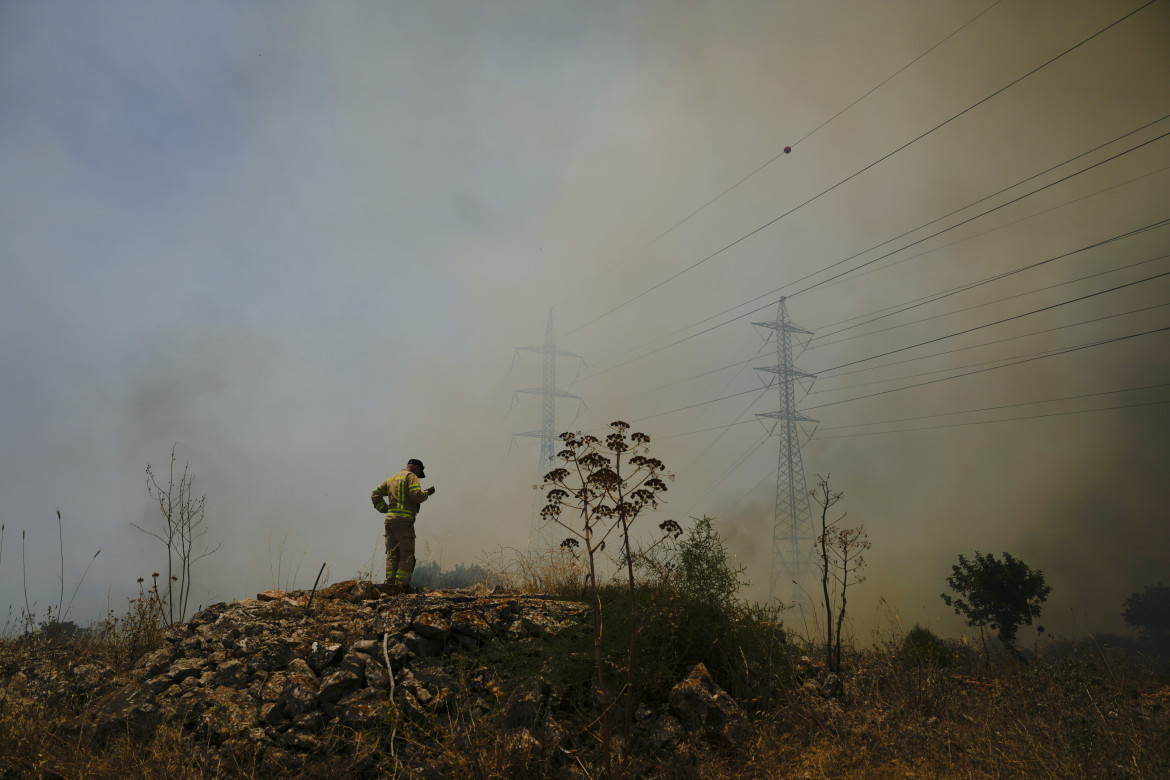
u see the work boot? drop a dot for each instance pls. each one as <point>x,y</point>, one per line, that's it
<point>390,588</point>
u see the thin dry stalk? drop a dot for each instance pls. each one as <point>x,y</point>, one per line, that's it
<point>24,575</point>
<point>61,548</point>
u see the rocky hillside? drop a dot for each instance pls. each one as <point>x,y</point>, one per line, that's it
<point>410,684</point>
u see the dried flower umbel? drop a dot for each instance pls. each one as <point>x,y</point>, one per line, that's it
<point>601,489</point>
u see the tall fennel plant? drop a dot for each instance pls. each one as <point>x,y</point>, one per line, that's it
<point>605,485</point>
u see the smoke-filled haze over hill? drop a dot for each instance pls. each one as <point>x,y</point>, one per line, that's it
<point>302,241</point>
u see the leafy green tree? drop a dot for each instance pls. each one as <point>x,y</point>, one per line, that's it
<point>1149,612</point>
<point>702,568</point>
<point>1003,594</point>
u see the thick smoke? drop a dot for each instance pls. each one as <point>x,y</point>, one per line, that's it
<point>302,243</point>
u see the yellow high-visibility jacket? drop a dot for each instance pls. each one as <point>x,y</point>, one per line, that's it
<point>399,496</point>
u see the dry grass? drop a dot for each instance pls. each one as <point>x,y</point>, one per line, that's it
<point>1084,710</point>
<point>1092,713</point>
<point>548,571</point>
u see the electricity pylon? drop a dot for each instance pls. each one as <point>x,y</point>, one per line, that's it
<point>541,533</point>
<point>793,533</point>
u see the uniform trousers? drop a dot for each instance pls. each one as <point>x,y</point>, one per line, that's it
<point>399,549</point>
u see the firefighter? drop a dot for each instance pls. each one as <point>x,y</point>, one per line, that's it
<point>400,498</point>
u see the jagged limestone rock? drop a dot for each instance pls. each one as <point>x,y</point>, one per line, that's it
<point>705,708</point>
<point>420,646</point>
<point>375,674</point>
<point>430,625</point>
<point>300,688</point>
<point>358,708</point>
<point>230,713</point>
<point>471,624</point>
<point>334,685</point>
<point>321,655</point>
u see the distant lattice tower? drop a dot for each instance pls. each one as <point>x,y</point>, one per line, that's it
<point>542,535</point>
<point>793,533</point>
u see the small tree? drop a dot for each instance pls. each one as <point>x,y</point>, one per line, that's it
<point>1003,594</point>
<point>841,554</point>
<point>607,484</point>
<point>692,613</point>
<point>702,570</point>
<point>182,515</point>
<point>1149,612</point>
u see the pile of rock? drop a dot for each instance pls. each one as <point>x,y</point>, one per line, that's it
<point>268,670</point>
<point>269,676</point>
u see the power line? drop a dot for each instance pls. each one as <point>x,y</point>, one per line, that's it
<point>793,145</point>
<point>972,236</point>
<point>738,373</point>
<point>695,406</point>
<point>1000,322</point>
<point>862,170</point>
<point>679,381</point>
<point>1000,406</point>
<point>875,89</point>
<point>992,368</point>
<point>986,422</point>
<point>965,288</point>
<point>964,222</point>
<point>993,341</point>
<point>936,371</point>
<point>1029,355</point>
<point>954,425</point>
<point>1063,351</point>
<point>863,265</point>
<point>726,472</point>
<point>916,301</point>
<point>931,341</point>
<point>726,428</point>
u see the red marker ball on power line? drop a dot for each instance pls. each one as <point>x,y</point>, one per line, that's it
<point>787,149</point>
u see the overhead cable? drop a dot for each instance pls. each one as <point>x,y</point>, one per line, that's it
<point>833,265</point>
<point>857,173</point>
<point>992,368</point>
<point>986,422</point>
<point>989,343</point>
<point>1030,355</point>
<point>999,322</point>
<point>972,236</point>
<point>965,288</point>
<point>931,341</point>
<point>791,146</point>
<point>729,470</point>
<point>997,407</point>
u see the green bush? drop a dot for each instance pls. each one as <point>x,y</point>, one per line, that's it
<point>691,612</point>
<point>922,645</point>
<point>430,575</point>
<point>1149,612</point>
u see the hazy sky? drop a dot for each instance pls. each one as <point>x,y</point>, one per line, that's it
<point>302,241</point>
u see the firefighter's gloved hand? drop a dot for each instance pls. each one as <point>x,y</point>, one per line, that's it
<point>431,491</point>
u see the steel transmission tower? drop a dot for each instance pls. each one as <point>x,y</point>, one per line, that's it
<point>793,533</point>
<point>541,536</point>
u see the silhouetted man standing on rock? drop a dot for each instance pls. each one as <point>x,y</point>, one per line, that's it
<point>400,497</point>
